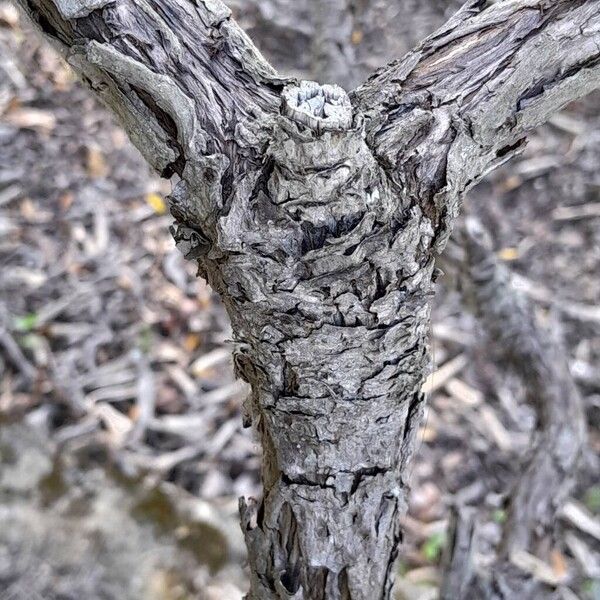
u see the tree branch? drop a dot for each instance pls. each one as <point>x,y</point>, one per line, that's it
<point>550,473</point>
<point>182,77</point>
<point>461,102</point>
<point>539,358</point>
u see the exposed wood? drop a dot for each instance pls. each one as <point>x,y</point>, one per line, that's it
<point>317,217</point>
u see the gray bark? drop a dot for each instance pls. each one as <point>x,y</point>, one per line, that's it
<point>317,217</point>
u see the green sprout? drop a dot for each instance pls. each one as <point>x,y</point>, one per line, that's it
<point>432,548</point>
<point>26,323</point>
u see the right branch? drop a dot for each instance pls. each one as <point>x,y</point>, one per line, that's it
<point>461,102</point>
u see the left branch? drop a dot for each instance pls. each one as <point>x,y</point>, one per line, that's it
<point>182,77</point>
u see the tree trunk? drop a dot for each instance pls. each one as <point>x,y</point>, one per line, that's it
<point>331,314</point>
<point>317,217</point>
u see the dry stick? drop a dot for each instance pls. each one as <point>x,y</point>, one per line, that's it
<point>317,216</point>
<point>509,321</point>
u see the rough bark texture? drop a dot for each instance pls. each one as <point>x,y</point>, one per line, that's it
<point>460,104</point>
<point>337,319</point>
<point>550,472</point>
<point>317,217</point>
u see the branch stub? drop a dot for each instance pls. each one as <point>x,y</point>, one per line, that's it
<point>320,107</point>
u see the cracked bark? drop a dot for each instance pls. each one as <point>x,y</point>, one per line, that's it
<point>317,217</point>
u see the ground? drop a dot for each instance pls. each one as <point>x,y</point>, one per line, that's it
<point>121,447</point>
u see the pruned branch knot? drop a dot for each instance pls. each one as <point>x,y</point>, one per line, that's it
<point>319,107</point>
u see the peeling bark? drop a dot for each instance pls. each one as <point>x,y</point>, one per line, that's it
<point>460,104</point>
<point>317,217</point>
<point>331,312</point>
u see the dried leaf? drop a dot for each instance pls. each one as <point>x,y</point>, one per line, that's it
<point>428,434</point>
<point>357,37</point>
<point>508,254</point>
<point>28,210</point>
<point>95,163</point>
<point>9,16</point>
<point>192,341</point>
<point>536,567</point>
<point>66,201</point>
<point>157,203</point>
<point>511,183</point>
<point>559,564</point>
<point>31,118</point>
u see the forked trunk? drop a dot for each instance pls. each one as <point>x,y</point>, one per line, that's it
<point>317,220</point>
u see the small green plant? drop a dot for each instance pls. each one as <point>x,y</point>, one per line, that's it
<point>432,548</point>
<point>25,323</point>
<point>592,499</point>
<point>144,340</point>
<point>499,516</point>
<point>591,589</point>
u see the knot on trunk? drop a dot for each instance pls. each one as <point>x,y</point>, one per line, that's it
<point>319,107</point>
